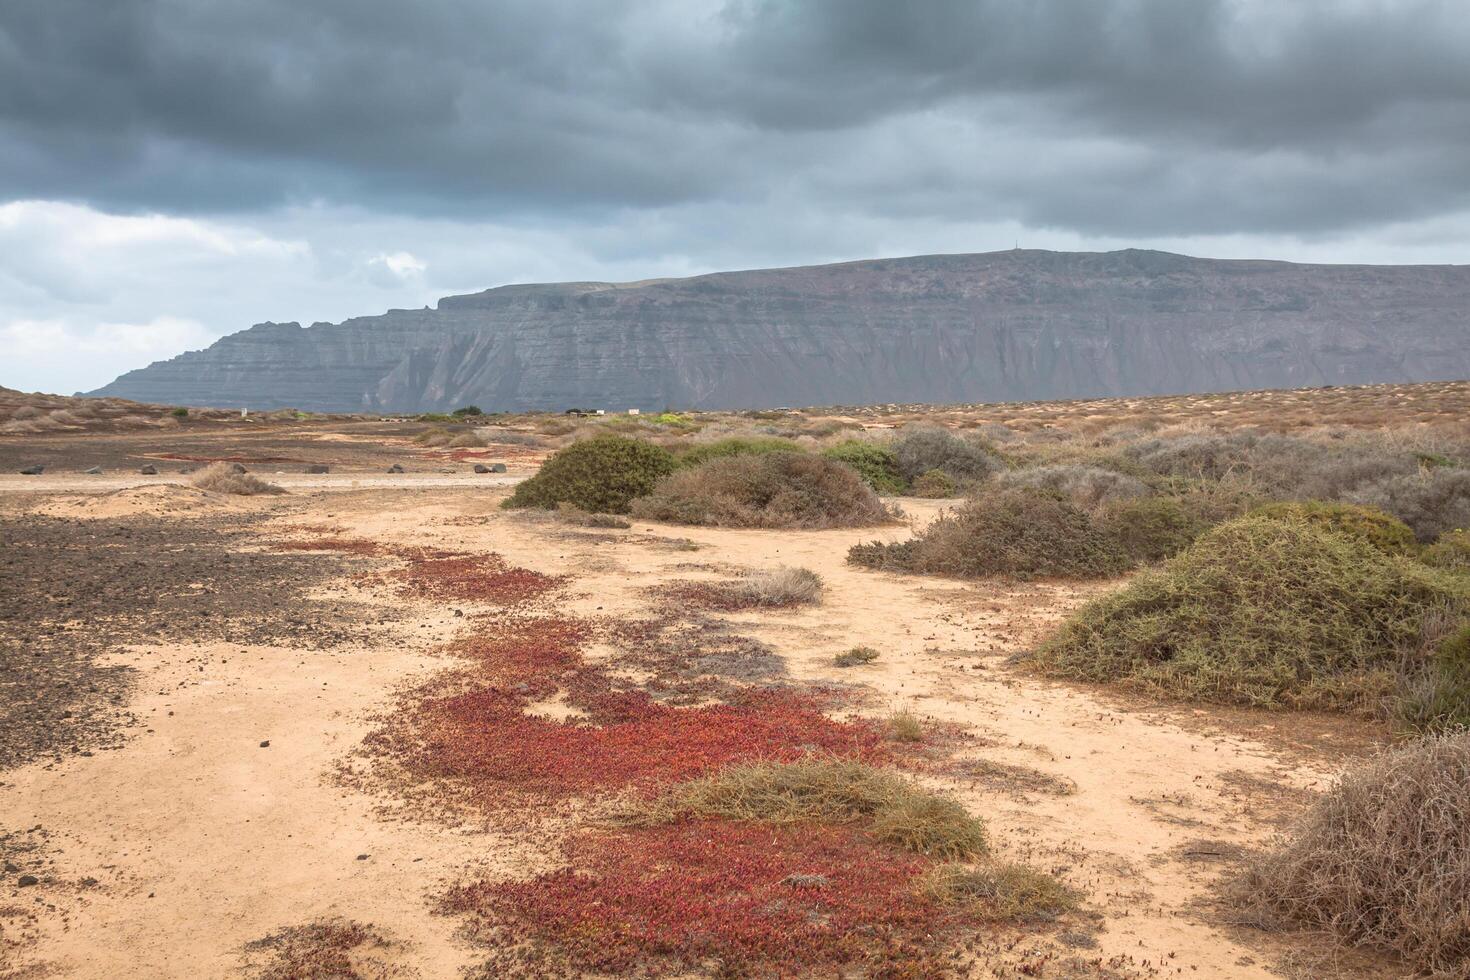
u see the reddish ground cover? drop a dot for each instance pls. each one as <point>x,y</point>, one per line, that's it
<point>749,897</point>
<point>484,738</point>
<point>477,578</point>
<point>433,573</point>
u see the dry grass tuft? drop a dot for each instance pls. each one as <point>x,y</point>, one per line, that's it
<point>856,657</point>
<point>225,478</point>
<point>905,726</point>
<point>1000,892</point>
<point>1383,859</point>
<point>783,586</point>
<point>834,791</point>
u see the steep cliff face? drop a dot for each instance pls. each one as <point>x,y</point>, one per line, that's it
<point>1015,325</point>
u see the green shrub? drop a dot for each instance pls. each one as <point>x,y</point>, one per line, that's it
<point>1386,533</point>
<point>180,413</point>
<point>790,490</point>
<point>600,475</point>
<point>1149,529</point>
<point>1262,611</point>
<point>1013,533</point>
<point>1438,698</point>
<point>921,448</point>
<point>935,485</point>
<point>1451,551</point>
<point>468,410</point>
<point>734,446</point>
<point>874,463</point>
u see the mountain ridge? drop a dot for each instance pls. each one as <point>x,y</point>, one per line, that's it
<point>960,327</point>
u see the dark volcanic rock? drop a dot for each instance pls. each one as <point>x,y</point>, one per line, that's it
<point>318,468</point>
<point>998,326</point>
<point>33,471</point>
<point>149,469</point>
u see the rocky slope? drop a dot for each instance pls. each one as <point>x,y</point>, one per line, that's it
<point>998,326</point>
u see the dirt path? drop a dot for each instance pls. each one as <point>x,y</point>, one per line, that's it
<point>201,840</point>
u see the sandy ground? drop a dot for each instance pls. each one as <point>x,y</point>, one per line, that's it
<point>165,857</point>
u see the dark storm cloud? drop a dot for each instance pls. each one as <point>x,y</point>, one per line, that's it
<point>1142,117</point>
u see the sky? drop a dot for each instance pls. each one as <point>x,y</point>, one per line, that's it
<point>172,171</point>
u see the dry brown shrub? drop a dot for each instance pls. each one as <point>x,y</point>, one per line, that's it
<point>222,478</point>
<point>1383,859</point>
<point>785,490</point>
<point>465,440</point>
<point>1088,487</point>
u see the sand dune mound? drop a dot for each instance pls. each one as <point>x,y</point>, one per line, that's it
<point>160,500</point>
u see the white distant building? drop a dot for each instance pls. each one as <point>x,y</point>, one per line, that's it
<point>632,411</point>
<point>602,411</point>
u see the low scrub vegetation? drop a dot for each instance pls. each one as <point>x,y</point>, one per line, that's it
<point>1149,529</point>
<point>935,485</point>
<point>1436,695</point>
<point>774,490</point>
<point>1451,551</point>
<point>876,464</point>
<point>1383,859</point>
<point>1368,524</point>
<point>231,478</point>
<point>601,476</point>
<point>1433,503</point>
<point>833,791</point>
<point>1264,611</point>
<point>1012,533</point>
<point>921,448</point>
<point>1088,487</point>
<point>698,455</point>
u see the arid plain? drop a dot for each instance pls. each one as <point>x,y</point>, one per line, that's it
<point>239,736</point>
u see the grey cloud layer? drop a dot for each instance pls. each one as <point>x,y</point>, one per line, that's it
<point>1147,117</point>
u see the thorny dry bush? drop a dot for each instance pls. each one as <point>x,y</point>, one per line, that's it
<point>1383,859</point>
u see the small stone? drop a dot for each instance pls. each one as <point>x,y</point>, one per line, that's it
<point>395,468</point>
<point>10,868</point>
<point>481,468</point>
<point>362,857</point>
<point>266,744</point>
<point>149,470</point>
<point>318,468</point>
<point>93,471</point>
<point>26,881</point>
<point>238,468</point>
<point>497,467</point>
<point>33,471</point>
